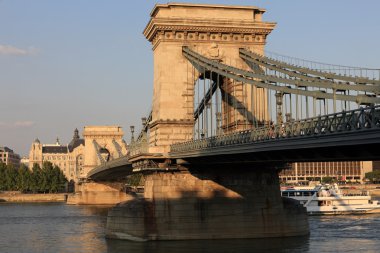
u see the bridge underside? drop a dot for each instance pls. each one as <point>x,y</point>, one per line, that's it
<point>113,170</point>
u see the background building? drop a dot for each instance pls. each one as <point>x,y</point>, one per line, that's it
<point>76,159</point>
<point>69,158</point>
<point>7,156</point>
<point>347,171</point>
<point>25,160</point>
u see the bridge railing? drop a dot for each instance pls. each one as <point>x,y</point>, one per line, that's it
<point>138,147</point>
<point>361,119</point>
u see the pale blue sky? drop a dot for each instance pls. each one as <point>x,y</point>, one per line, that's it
<point>67,64</point>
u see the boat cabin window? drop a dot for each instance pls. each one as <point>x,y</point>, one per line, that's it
<point>295,193</point>
<point>308,194</point>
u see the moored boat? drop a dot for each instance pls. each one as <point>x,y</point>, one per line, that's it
<point>329,199</point>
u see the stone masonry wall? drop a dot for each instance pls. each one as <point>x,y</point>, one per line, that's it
<point>98,194</point>
<point>213,205</point>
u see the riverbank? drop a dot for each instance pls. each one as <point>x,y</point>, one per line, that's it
<point>375,193</point>
<point>374,189</point>
<point>25,197</point>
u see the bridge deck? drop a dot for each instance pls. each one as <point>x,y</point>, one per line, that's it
<point>352,135</point>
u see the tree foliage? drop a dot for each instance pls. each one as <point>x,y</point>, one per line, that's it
<point>134,179</point>
<point>328,180</point>
<point>373,176</point>
<point>48,179</point>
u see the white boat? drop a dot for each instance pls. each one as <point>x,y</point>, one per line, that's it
<point>329,199</point>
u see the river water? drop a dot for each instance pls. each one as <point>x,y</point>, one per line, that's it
<point>59,227</point>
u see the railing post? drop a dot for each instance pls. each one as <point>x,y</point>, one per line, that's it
<point>373,116</point>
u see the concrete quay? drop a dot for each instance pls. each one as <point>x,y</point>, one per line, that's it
<point>20,197</point>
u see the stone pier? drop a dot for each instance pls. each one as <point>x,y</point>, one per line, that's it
<point>221,203</point>
<point>98,193</point>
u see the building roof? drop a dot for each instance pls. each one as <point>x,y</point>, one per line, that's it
<point>6,149</point>
<point>205,6</point>
<point>55,149</point>
<point>76,141</point>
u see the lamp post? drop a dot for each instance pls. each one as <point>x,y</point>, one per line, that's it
<point>144,128</point>
<point>132,134</point>
<point>143,140</point>
<point>288,117</point>
<point>202,133</point>
<point>218,121</point>
<point>143,120</point>
<point>279,96</point>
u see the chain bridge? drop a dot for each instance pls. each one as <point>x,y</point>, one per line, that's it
<point>226,116</point>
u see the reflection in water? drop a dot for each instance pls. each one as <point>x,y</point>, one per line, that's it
<point>62,228</point>
<point>345,233</point>
<point>294,244</point>
<point>43,227</point>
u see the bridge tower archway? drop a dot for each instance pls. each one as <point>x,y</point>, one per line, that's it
<point>216,31</point>
<point>102,144</point>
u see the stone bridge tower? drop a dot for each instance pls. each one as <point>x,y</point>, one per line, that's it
<point>201,201</point>
<point>216,31</point>
<point>102,144</point>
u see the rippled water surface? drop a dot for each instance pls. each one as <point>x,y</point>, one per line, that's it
<point>63,228</point>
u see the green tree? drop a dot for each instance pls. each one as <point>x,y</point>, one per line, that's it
<point>10,178</point>
<point>58,180</point>
<point>328,180</point>
<point>24,178</point>
<point>134,179</point>
<point>373,176</point>
<point>49,178</point>
<point>2,176</point>
<point>35,178</point>
<point>53,179</point>
<point>46,177</point>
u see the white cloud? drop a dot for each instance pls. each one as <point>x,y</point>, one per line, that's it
<point>11,50</point>
<point>17,124</point>
<point>26,123</point>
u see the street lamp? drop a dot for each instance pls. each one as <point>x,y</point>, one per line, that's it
<point>218,120</point>
<point>288,117</point>
<point>144,129</point>
<point>279,96</point>
<point>132,132</point>
<point>143,120</point>
<point>202,133</point>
